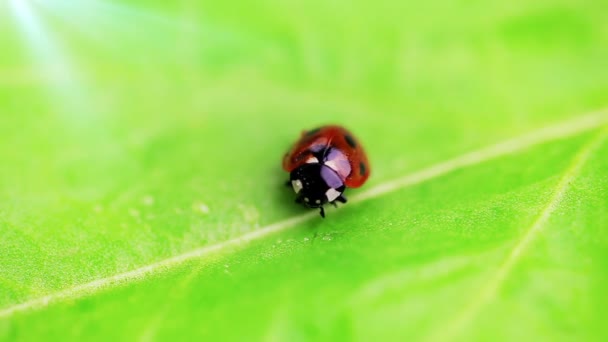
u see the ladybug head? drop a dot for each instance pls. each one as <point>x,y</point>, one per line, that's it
<point>317,184</point>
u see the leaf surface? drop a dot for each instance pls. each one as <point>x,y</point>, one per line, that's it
<point>141,194</point>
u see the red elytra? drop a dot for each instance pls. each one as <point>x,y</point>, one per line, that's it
<point>349,159</point>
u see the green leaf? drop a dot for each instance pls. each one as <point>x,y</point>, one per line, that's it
<point>141,194</point>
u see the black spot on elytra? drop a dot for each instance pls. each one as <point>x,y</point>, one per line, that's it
<point>350,140</point>
<point>313,132</point>
<point>362,168</point>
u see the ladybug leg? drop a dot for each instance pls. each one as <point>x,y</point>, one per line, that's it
<point>299,200</point>
<point>288,183</point>
<point>340,199</point>
<point>322,212</point>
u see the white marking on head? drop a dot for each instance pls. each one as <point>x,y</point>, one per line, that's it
<point>318,201</point>
<point>306,199</point>
<point>332,194</point>
<point>312,160</point>
<point>296,184</point>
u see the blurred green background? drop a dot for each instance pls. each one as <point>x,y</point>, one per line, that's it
<point>135,131</point>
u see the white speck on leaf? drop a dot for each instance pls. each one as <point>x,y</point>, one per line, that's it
<point>200,207</point>
<point>250,213</point>
<point>134,212</point>
<point>147,200</point>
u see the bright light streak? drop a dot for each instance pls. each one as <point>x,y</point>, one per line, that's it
<point>114,26</point>
<point>43,51</point>
<point>65,88</point>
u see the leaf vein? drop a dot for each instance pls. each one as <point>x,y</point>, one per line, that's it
<point>557,131</point>
<point>491,288</point>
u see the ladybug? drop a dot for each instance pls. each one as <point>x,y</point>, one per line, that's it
<point>323,163</point>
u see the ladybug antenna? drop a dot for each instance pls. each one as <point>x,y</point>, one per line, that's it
<point>322,153</point>
<point>327,148</point>
<point>322,212</point>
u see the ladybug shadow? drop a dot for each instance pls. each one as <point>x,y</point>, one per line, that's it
<point>286,198</point>
<point>315,226</point>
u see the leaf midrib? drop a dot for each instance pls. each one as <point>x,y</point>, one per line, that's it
<point>557,131</point>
